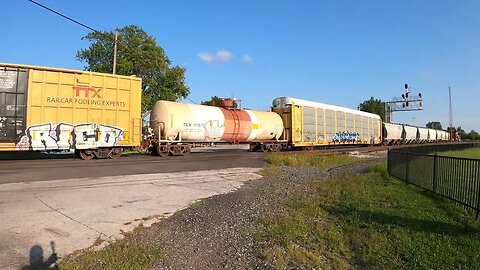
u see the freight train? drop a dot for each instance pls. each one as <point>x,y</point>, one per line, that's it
<point>99,115</point>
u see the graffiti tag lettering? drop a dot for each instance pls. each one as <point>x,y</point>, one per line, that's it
<point>346,137</point>
<point>66,136</point>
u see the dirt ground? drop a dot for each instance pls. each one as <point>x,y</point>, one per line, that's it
<point>216,232</point>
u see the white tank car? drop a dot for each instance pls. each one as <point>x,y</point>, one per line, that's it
<point>409,134</point>
<point>393,133</point>
<point>175,121</point>
<point>422,135</point>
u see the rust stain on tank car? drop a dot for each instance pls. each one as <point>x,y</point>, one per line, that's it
<point>238,125</point>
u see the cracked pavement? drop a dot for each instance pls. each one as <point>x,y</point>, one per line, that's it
<point>75,213</point>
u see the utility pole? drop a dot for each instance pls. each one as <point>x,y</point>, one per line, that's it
<point>115,53</point>
<point>450,112</point>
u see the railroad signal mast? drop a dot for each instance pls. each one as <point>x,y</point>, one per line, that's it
<point>407,102</point>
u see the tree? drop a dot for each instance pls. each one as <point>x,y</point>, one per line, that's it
<point>137,54</point>
<point>216,101</point>
<point>372,105</point>
<point>434,125</point>
<point>473,135</point>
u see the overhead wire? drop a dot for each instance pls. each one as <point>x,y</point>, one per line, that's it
<point>191,100</point>
<point>65,16</point>
<point>77,22</point>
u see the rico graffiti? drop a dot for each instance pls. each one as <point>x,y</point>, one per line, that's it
<point>65,136</point>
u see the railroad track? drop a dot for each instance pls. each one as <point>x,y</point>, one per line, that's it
<point>54,162</point>
<point>125,160</point>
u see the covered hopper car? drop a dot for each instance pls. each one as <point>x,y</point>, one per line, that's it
<point>392,134</point>
<point>50,109</point>
<point>405,134</point>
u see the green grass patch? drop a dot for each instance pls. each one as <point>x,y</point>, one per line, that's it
<point>369,221</point>
<point>308,159</point>
<point>127,253</point>
<point>467,153</point>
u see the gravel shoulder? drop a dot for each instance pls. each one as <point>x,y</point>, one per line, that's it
<point>215,233</point>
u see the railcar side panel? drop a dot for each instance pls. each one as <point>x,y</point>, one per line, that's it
<point>60,109</point>
<point>265,126</point>
<point>433,134</point>
<point>409,134</point>
<point>316,124</point>
<point>393,133</point>
<point>422,135</point>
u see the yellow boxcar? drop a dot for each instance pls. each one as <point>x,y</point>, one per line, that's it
<point>48,109</point>
<point>310,124</point>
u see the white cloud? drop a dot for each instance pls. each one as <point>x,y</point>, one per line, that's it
<point>220,56</point>
<point>247,58</point>
<point>224,56</point>
<point>206,57</point>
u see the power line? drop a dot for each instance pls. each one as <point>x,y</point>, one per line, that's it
<point>191,100</point>
<point>64,16</point>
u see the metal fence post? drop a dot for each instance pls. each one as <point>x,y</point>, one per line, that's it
<point>388,162</point>
<point>434,180</point>
<point>478,195</point>
<point>407,167</point>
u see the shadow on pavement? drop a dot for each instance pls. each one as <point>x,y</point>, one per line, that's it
<point>37,260</point>
<point>34,155</point>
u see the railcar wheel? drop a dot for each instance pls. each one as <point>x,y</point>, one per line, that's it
<point>265,148</point>
<point>162,150</point>
<point>86,154</point>
<point>185,149</point>
<point>276,147</point>
<point>115,153</point>
<point>172,149</point>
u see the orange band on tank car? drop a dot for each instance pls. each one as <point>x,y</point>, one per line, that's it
<point>238,125</point>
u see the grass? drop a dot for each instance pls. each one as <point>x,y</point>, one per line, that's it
<point>454,178</point>
<point>308,159</point>
<point>467,153</point>
<point>127,253</point>
<point>369,221</point>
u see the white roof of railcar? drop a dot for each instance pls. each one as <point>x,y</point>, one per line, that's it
<point>283,101</point>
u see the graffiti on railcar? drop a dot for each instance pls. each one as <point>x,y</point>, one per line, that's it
<point>309,136</point>
<point>64,136</point>
<point>346,137</point>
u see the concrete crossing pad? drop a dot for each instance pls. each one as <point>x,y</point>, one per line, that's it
<point>74,213</point>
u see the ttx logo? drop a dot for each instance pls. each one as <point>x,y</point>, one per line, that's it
<point>86,91</point>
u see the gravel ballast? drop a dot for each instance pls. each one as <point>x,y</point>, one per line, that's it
<point>215,233</point>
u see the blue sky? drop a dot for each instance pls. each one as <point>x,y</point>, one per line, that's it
<point>336,52</point>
